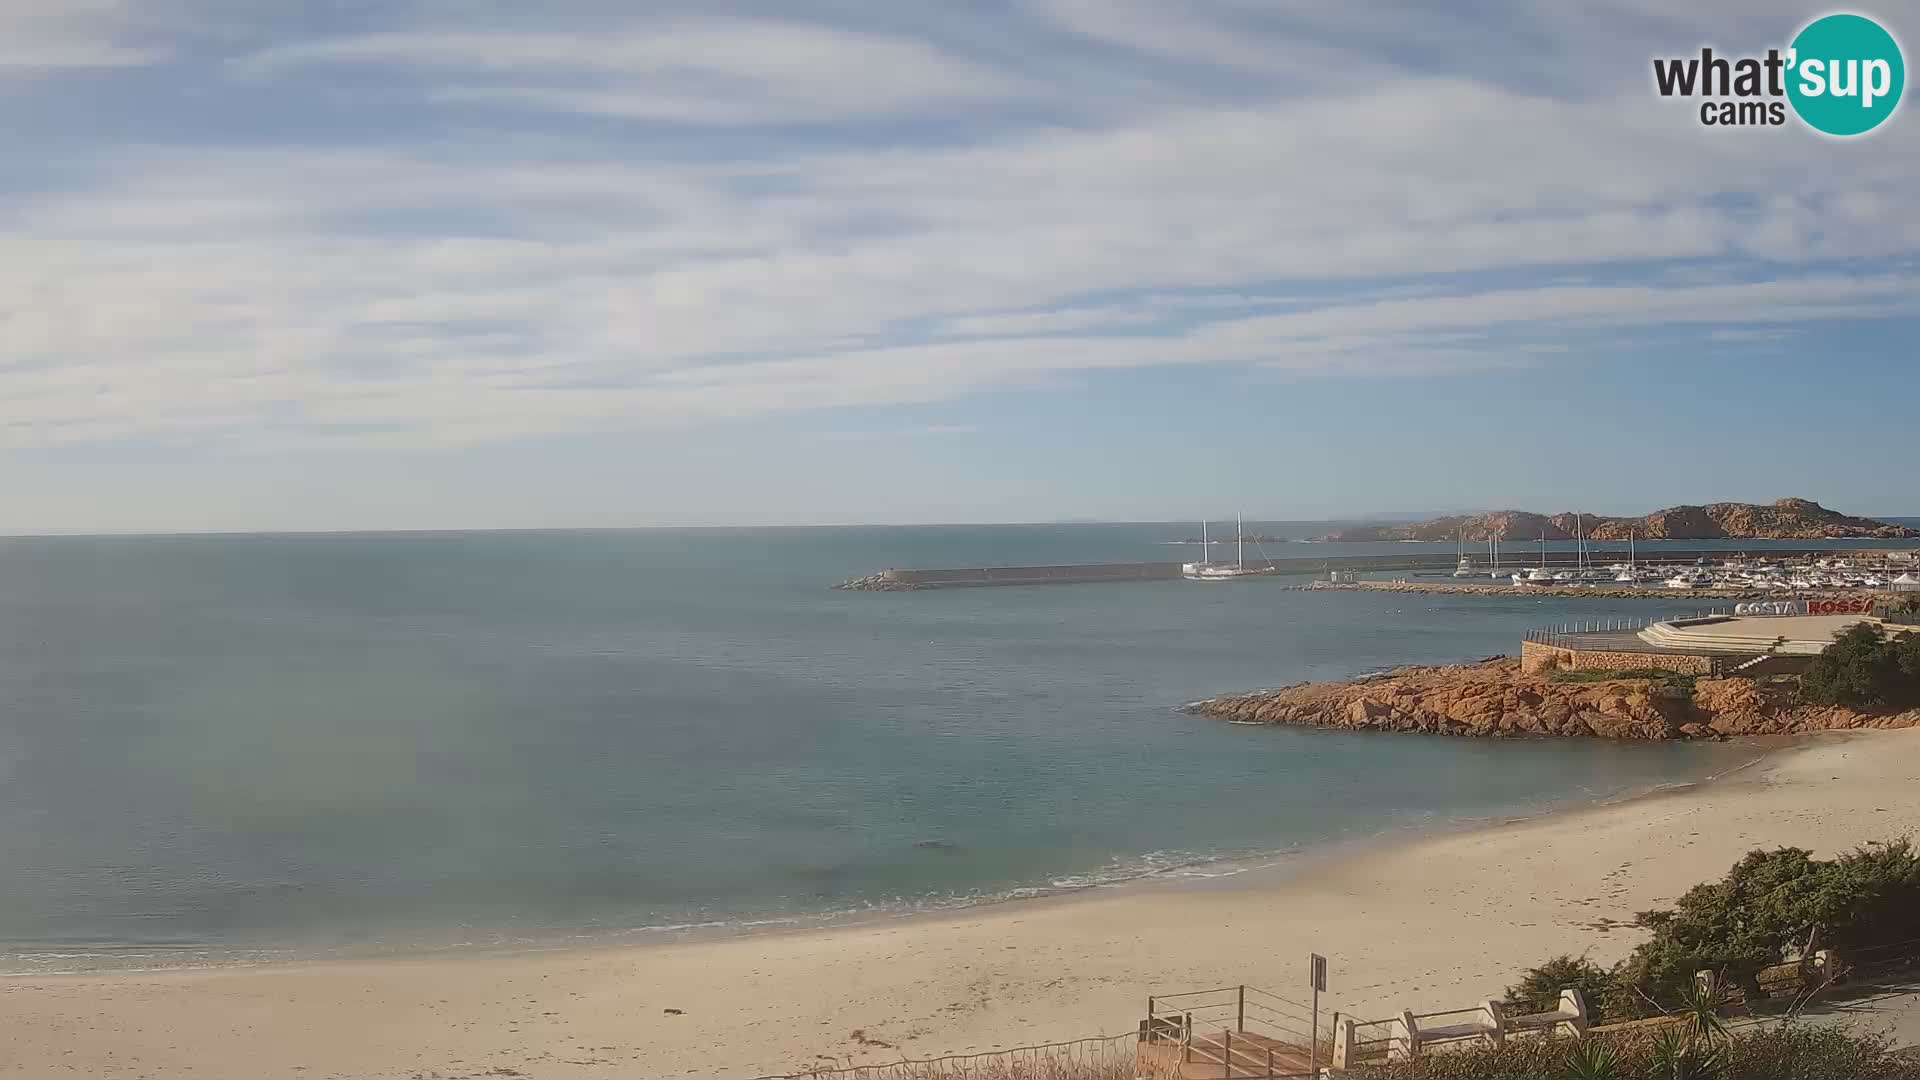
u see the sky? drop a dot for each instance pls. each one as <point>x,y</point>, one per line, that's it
<point>362,264</point>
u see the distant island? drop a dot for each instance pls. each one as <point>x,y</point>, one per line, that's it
<point>1787,519</point>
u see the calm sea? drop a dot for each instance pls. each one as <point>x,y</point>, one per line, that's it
<point>230,748</point>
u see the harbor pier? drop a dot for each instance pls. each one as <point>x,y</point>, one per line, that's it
<point>1417,562</point>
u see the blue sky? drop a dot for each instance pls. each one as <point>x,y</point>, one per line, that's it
<point>419,264</point>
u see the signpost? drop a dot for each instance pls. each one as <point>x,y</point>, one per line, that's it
<point>1317,974</point>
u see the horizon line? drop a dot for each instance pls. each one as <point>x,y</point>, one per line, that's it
<point>165,534</point>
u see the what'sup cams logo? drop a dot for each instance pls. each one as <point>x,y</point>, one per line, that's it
<point>1842,75</point>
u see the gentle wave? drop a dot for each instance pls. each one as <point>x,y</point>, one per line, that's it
<point>132,957</point>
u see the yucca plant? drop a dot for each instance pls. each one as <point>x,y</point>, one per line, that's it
<point>1701,1004</point>
<point>1591,1060</point>
<point>1676,1056</point>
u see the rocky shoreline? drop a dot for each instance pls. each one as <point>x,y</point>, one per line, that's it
<point>875,583</point>
<point>1495,699</point>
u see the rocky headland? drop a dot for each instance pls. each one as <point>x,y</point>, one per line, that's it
<point>1494,698</point>
<point>1787,519</point>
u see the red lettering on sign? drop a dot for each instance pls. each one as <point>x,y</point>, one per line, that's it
<point>1860,606</point>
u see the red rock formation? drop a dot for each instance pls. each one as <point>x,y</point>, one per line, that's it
<point>1787,519</point>
<point>1495,698</point>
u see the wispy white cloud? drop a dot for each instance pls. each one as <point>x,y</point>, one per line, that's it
<point>1735,335</point>
<point>48,35</point>
<point>918,431</point>
<point>690,256</point>
<point>709,70</point>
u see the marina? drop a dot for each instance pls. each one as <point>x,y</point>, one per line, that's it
<point>1778,570</point>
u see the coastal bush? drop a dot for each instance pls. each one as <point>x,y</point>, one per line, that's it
<point>1817,1052</point>
<point>1792,1051</point>
<point>1865,668</point>
<point>1773,904</point>
<point>1770,906</point>
<point>1607,1000</point>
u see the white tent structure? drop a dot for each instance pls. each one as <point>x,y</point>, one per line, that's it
<point>1906,583</point>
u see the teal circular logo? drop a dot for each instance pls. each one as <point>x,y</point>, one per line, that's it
<point>1845,74</point>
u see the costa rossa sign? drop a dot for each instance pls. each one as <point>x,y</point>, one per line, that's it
<point>1852,605</point>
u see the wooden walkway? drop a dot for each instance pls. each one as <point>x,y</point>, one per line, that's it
<point>1216,1057</point>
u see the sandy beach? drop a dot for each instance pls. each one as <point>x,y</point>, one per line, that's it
<point>1440,920</point>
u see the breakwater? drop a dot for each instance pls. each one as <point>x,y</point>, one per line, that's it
<point>892,580</point>
<point>973,577</point>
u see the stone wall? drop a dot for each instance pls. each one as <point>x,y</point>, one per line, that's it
<point>1536,657</point>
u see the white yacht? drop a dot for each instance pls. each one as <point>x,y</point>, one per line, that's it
<point>1208,571</point>
<point>1539,575</point>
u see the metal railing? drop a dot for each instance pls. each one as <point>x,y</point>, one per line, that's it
<point>1244,1031</point>
<point>1572,631</point>
<point>1893,616</point>
<point>1568,635</point>
<point>1099,1058</point>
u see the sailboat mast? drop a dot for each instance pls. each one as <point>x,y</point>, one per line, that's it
<point>1206,546</point>
<point>1239,542</point>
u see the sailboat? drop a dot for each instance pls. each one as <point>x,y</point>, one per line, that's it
<point>1579,556</point>
<point>1465,566</point>
<point>1629,574</point>
<point>1539,575</point>
<point>1207,571</point>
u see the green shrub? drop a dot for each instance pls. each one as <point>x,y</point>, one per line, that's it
<point>1817,1052</point>
<point>1529,1059</point>
<point>1607,1001</point>
<point>1773,903</point>
<point>1864,668</point>
<point>1783,1052</point>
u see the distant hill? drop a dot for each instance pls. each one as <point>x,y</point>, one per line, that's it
<point>1788,519</point>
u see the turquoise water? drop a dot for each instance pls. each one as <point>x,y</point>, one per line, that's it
<point>228,748</point>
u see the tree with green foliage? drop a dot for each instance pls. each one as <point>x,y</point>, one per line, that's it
<point>1865,668</point>
<point>1539,989</point>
